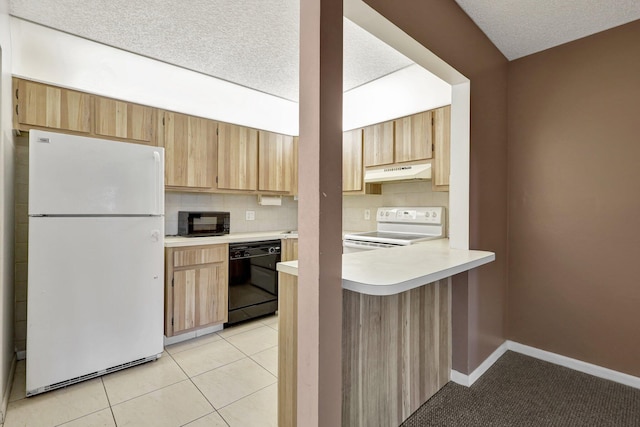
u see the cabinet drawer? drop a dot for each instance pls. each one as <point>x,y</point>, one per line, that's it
<point>200,255</point>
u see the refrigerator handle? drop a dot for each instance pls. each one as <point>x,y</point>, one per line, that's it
<point>157,180</point>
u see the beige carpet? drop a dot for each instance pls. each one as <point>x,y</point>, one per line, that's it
<point>522,391</point>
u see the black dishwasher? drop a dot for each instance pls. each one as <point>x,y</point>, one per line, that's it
<point>253,280</point>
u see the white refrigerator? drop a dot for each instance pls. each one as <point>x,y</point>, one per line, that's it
<point>95,301</point>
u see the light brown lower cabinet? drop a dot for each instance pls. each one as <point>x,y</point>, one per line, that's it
<point>196,289</point>
<point>289,249</point>
<point>396,352</point>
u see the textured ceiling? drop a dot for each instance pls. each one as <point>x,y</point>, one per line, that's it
<point>522,27</point>
<point>253,43</point>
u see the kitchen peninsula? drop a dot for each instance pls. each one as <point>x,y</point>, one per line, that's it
<point>396,333</point>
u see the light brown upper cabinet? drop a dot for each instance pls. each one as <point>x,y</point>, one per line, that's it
<point>190,144</point>
<point>276,162</point>
<point>413,137</point>
<point>294,190</point>
<point>352,170</point>
<point>442,148</point>
<point>378,144</point>
<point>39,105</point>
<point>120,119</point>
<point>237,157</point>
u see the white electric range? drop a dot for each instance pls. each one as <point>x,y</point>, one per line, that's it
<point>399,226</point>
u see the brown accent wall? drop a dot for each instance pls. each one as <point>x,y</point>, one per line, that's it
<point>574,199</point>
<point>444,28</point>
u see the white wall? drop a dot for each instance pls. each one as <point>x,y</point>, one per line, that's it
<point>50,56</point>
<point>405,92</point>
<point>6,209</point>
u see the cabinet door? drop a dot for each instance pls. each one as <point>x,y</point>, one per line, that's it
<point>125,120</point>
<point>51,107</point>
<point>378,144</point>
<point>276,162</point>
<point>294,190</point>
<point>189,144</point>
<point>199,297</point>
<point>442,147</point>
<point>237,157</point>
<point>414,137</point>
<point>289,250</point>
<point>352,160</point>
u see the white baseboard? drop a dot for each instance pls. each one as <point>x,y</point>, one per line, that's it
<point>190,335</point>
<point>468,380</point>
<point>7,390</point>
<point>576,365</point>
<point>547,356</point>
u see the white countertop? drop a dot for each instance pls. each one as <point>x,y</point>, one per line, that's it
<point>176,241</point>
<point>395,270</point>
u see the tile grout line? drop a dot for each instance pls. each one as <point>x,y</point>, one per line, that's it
<point>109,402</point>
<point>250,394</point>
<point>212,369</point>
<point>203,395</point>
<point>247,356</point>
<point>251,330</point>
<point>194,347</point>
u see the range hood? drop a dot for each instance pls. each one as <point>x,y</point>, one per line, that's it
<point>398,173</point>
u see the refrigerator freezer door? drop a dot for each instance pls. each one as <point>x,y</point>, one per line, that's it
<point>95,301</point>
<point>73,175</point>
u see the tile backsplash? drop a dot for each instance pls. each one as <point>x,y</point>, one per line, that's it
<point>416,193</point>
<point>267,218</point>
<point>285,217</point>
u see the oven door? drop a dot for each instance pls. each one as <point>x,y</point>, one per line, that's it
<point>351,246</point>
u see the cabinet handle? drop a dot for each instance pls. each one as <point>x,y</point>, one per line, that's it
<point>17,114</point>
<point>16,93</point>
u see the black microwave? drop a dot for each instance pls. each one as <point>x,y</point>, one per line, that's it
<point>201,224</point>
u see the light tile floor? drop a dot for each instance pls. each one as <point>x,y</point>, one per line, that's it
<point>223,379</point>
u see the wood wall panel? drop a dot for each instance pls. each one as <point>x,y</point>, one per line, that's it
<point>287,350</point>
<point>392,356</point>
<point>396,352</point>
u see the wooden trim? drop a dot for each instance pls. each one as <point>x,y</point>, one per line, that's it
<point>287,350</point>
<point>395,353</point>
<point>442,149</point>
